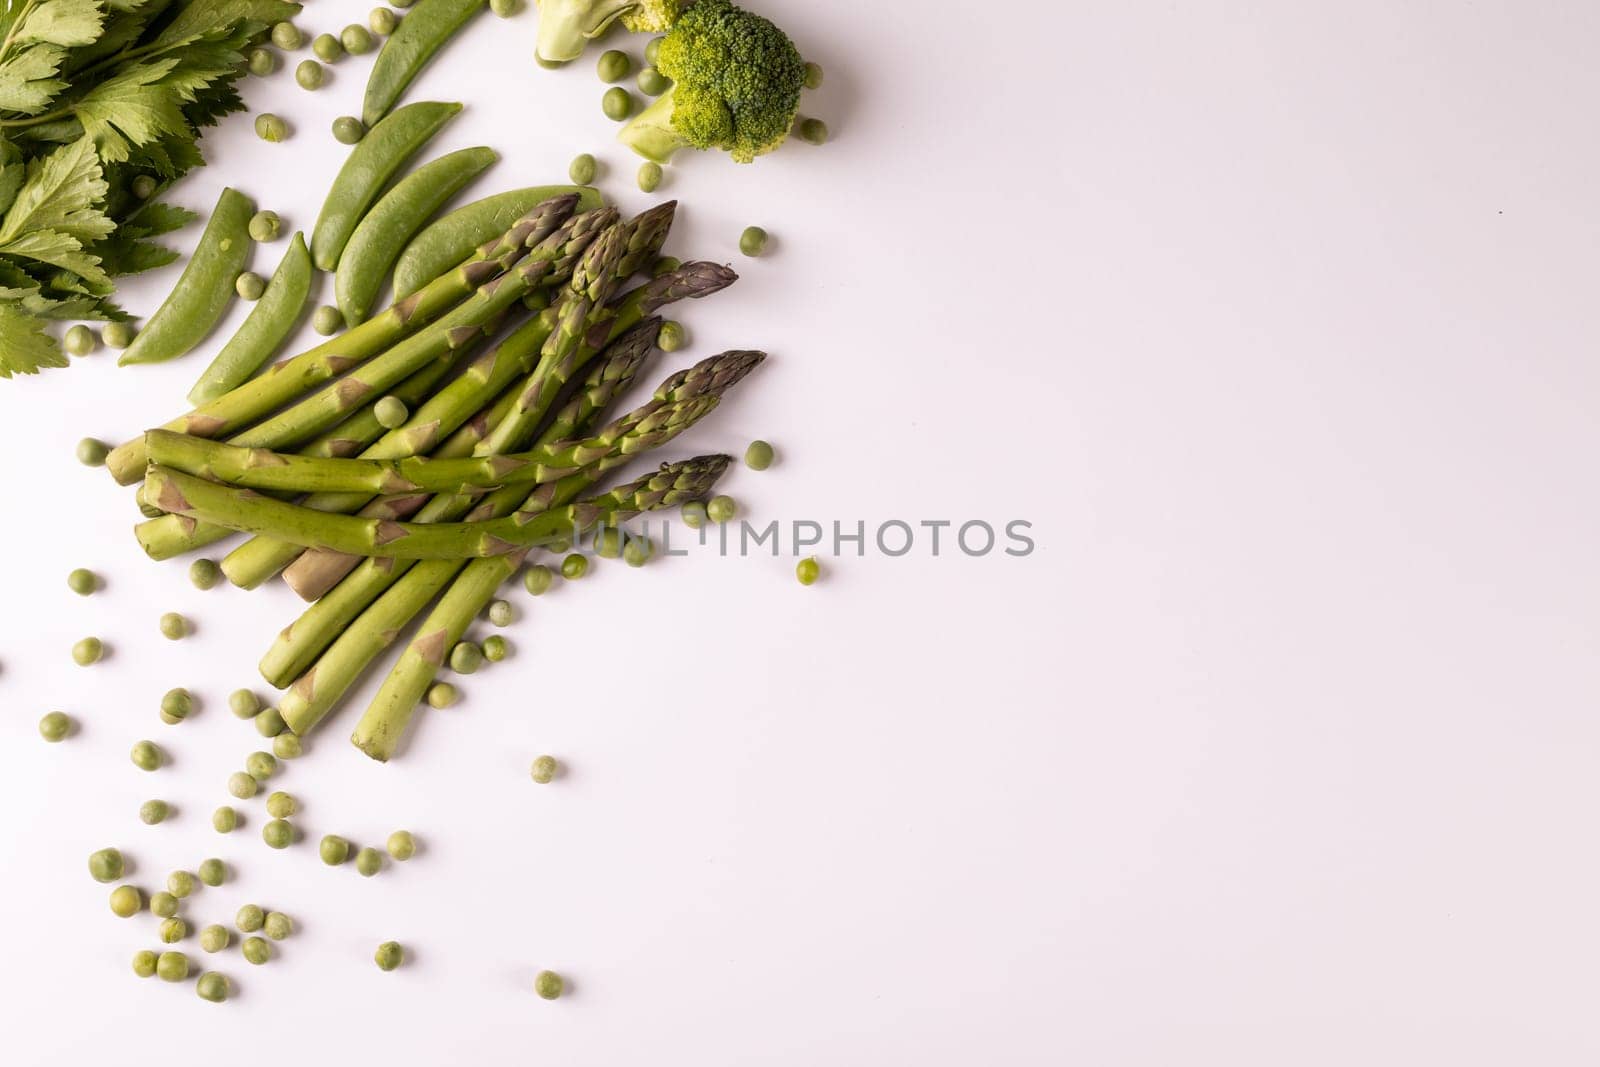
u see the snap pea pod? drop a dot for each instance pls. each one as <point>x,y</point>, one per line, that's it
<point>373,161</point>
<point>204,291</point>
<point>423,31</point>
<point>264,329</point>
<point>451,239</point>
<point>394,220</point>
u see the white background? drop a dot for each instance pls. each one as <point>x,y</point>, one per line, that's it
<point>1277,321</point>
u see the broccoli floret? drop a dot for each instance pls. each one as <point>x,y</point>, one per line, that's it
<point>567,26</point>
<point>736,86</point>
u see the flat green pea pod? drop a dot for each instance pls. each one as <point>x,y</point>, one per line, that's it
<point>394,220</point>
<point>373,161</point>
<point>442,246</point>
<point>265,329</point>
<point>204,291</point>
<point>423,31</point>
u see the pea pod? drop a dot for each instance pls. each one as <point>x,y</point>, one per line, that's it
<point>423,31</point>
<point>373,161</point>
<point>394,220</point>
<point>443,245</point>
<point>264,330</point>
<point>204,291</point>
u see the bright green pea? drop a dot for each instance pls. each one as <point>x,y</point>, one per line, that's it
<point>250,286</point>
<point>334,850</point>
<point>401,845</point>
<point>369,861</point>
<point>537,579</point>
<point>152,812</point>
<point>391,412</point>
<point>242,785</point>
<point>287,746</point>
<point>501,613</point>
<point>720,509</point>
<point>673,336</point>
<point>638,551</point>
<point>544,769</point>
<point>92,453</point>
<point>652,82</point>
<point>172,967</point>
<point>496,648</point>
<point>126,900</point>
<point>309,74</point>
<point>574,566</point>
<point>813,76</point>
<point>174,626</point>
<point>382,21</point>
<point>144,963</point>
<point>55,726</point>
<point>269,723</point>
<point>652,50</point>
<point>278,834</point>
<point>281,805</point>
<point>224,819</point>
<point>180,884</point>
<point>466,658</point>
<point>204,573</point>
<point>608,542</point>
<point>442,695</point>
<point>213,987</point>
<point>261,765</point>
<point>105,865</point>
<point>582,169</point>
<point>249,918</point>
<point>120,334</point>
<point>548,984</point>
<point>327,321</point>
<point>287,36</point>
<point>327,48</point>
<point>143,187</point>
<point>357,40</point>
<point>347,129</point>
<point>758,457</point>
<point>613,66</point>
<point>87,651</point>
<point>265,226</point>
<point>83,581</point>
<point>172,930</point>
<point>163,904</point>
<point>693,514</point>
<point>617,103</point>
<point>213,872</point>
<point>176,705</point>
<point>244,703</point>
<point>389,955</point>
<point>808,570</point>
<point>650,177</point>
<point>261,62</point>
<point>256,950</point>
<point>277,925</point>
<point>271,128</point>
<point>813,131</point>
<point>79,341</point>
<point>753,241</point>
<point>146,755</point>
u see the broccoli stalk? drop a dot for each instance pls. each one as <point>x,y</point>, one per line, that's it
<point>736,81</point>
<point>567,26</point>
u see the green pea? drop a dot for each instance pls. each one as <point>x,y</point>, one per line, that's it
<point>650,177</point>
<point>327,321</point>
<point>79,341</point>
<point>278,834</point>
<point>382,21</point>
<point>582,169</point>
<point>269,723</point>
<point>180,884</point>
<point>287,746</point>
<point>369,861</point>
<point>176,705</point>
<point>265,226</point>
<point>256,950</point>
<point>126,900</point>
<point>261,62</point>
<point>213,872</point>
<point>163,904</point>
<point>152,812</point>
<point>277,925</point>
<point>146,755</point>
<point>174,626</point>
<point>249,918</point>
<point>244,703</point>
<point>391,412</point>
<point>753,241</point>
<point>357,40</point>
<point>608,543</point>
<point>271,128</point>
<point>309,74</point>
<point>242,785</point>
<point>55,726</point>
<point>652,50</point>
<point>501,613</point>
<point>496,648</point>
<point>334,850</point>
<point>118,334</point>
<point>613,66</point>
<point>401,845</point>
<point>204,573</point>
<point>693,514</point>
<point>389,955</point>
<point>327,48</point>
<point>144,963</point>
<point>758,457</point>
<point>537,579</point>
<point>87,651</point>
<point>638,551</point>
<point>665,265</point>
<point>105,865</point>
<point>92,453</point>
<point>808,570</point>
<point>813,76</point>
<point>544,769</point>
<point>213,987</point>
<point>143,187</point>
<point>442,695</point>
<point>83,581</point>
<point>261,765</point>
<point>172,930</point>
<point>281,805</point>
<point>673,336</point>
<point>652,82</point>
<point>720,509</point>
<point>287,36</point>
<point>466,658</point>
<point>172,967</point>
<point>813,131</point>
<point>504,8</point>
<point>548,984</point>
<point>617,103</point>
<point>347,129</point>
<point>250,286</point>
<point>224,819</point>
<point>574,566</point>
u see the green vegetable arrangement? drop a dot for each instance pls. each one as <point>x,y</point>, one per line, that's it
<point>101,106</point>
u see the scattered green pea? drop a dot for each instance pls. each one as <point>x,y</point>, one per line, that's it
<point>105,865</point>
<point>281,805</point>
<point>650,177</point>
<point>256,950</point>
<point>271,128</point>
<point>327,321</point>
<point>466,658</point>
<point>442,695</point>
<point>548,984</point>
<point>357,40</point>
<point>126,900</point>
<point>79,341</point>
<point>242,785</point>
<point>163,904</point>
<point>613,66</point>
<point>369,861</point>
<point>504,8</point>
<point>544,769</point>
<point>574,566</point>
<point>693,514</point>
<point>176,705</point>
<point>582,169</point>
<point>758,457</point>
<point>287,746</point>
<point>249,918</point>
<point>277,925</point>
<point>608,542</point>
<point>224,819</point>
<point>537,579</point>
<point>813,76</point>
<point>180,884</point>
<point>347,129</point>
<point>652,82</point>
<point>278,834</point>
<point>309,74</point>
<point>119,334</point>
<point>401,845</point>
<point>144,963</point>
<point>391,412</point>
<point>327,48</point>
<point>213,872</point>
<point>813,131</point>
<point>808,570</point>
<point>152,812</point>
<point>334,850</point>
<point>172,966</point>
<point>172,930</point>
<point>672,337</point>
<point>204,573</point>
<point>501,613</point>
<point>82,581</point>
<point>146,755</point>
<point>261,765</point>
<point>496,648</point>
<point>753,241</point>
<point>244,703</point>
<point>87,651</point>
<point>721,509</point>
<point>213,987</point>
<point>269,723</point>
<point>144,187</point>
<point>389,955</point>
<point>665,265</point>
<point>55,726</point>
<point>638,551</point>
<point>382,21</point>
<point>287,36</point>
<point>250,286</point>
<point>174,626</point>
<point>652,50</point>
<point>261,62</point>
<point>92,453</point>
<point>617,103</point>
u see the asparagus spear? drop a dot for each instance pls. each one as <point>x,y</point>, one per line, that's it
<point>294,377</point>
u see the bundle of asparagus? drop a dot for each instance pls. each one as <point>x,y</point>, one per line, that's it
<point>500,454</point>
